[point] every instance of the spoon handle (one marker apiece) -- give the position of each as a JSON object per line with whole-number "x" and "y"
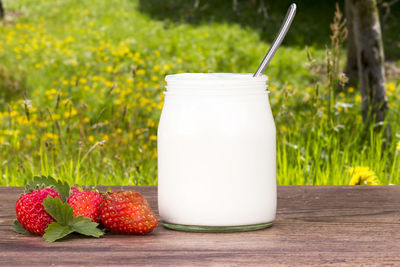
{"x": 278, "y": 39}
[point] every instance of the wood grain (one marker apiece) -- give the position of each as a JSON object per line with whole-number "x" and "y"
{"x": 316, "y": 225}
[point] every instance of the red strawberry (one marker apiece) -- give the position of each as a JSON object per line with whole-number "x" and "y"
{"x": 86, "y": 203}
{"x": 127, "y": 213}
{"x": 74, "y": 189}
{"x": 31, "y": 213}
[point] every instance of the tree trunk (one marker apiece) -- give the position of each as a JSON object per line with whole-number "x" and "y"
{"x": 2, "y": 13}
{"x": 370, "y": 60}
{"x": 351, "y": 64}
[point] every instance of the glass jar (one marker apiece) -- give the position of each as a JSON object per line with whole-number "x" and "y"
{"x": 216, "y": 153}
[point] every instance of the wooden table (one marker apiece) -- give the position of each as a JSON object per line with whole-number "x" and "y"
{"x": 315, "y": 225}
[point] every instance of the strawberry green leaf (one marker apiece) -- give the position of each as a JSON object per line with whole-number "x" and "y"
{"x": 46, "y": 181}
{"x": 18, "y": 228}
{"x": 61, "y": 212}
{"x": 56, "y": 231}
{"x": 85, "y": 226}
{"x": 65, "y": 222}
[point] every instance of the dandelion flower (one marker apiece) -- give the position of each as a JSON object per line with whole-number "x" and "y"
{"x": 391, "y": 87}
{"x": 362, "y": 175}
{"x": 398, "y": 146}
{"x": 140, "y": 72}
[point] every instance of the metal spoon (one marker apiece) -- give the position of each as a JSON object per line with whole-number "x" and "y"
{"x": 278, "y": 39}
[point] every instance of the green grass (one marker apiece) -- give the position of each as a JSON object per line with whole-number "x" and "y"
{"x": 87, "y": 119}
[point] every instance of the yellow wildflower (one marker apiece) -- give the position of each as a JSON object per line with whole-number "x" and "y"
{"x": 50, "y": 136}
{"x": 398, "y": 146}
{"x": 362, "y": 175}
{"x": 108, "y": 83}
{"x": 166, "y": 67}
{"x": 82, "y": 80}
{"x": 351, "y": 89}
{"x": 140, "y": 72}
{"x": 51, "y": 91}
{"x": 391, "y": 87}
{"x": 55, "y": 117}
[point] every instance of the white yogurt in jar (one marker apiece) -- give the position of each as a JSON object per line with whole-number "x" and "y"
{"x": 216, "y": 151}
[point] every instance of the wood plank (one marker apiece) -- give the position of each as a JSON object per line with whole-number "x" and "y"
{"x": 316, "y": 225}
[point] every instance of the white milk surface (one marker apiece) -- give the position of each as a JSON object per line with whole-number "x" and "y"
{"x": 216, "y": 151}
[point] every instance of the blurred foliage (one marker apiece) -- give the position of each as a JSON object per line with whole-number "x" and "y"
{"x": 310, "y": 27}
{"x": 12, "y": 84}
{"x": 93, "y": 72}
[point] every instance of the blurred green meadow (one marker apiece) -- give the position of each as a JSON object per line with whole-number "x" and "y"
{"x": 81, "y": 91}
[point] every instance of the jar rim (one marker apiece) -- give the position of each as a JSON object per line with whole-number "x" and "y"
{"x": 215, "y": 83}
{"x": 215, "y": 77}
